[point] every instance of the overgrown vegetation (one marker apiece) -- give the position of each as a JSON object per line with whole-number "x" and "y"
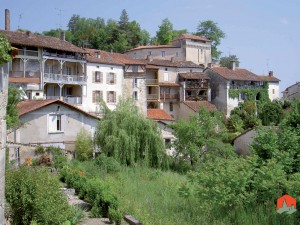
{"x": 12, "y": 114}
{"x": 83, "y": 146}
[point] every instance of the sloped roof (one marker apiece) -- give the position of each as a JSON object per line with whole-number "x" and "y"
{"x": 192, "y": 37}
{"x": 111, "y": 58}
{"x": 42, "y": 41}
{"x": 169, "y": 63}
{"x": 196, "y": 105}
{"x": 159, "y": 114}
{"x": 237, "y": 74}
{"x": 194, "y": 76}
{"x": 269, "y": 78}
{"x": 32, "y": 105}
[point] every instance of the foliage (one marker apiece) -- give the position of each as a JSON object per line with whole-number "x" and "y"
{"x": 33, "y": 194}
{"x": 235, "y": 123}
{"x": 5, "y": 50}
{"x": 83, "y": 146}
{"x": 57, "y": 32}
{"x": 225, "y": 61}
{"x": 210, "y": 30}
{"x": 251, "y": 93}
{"x": 12, "y": 115}
{"x": 271, "y": 113}
{"x": 107, "y": 164}
{"x": 193, "y": 135}
{"x": 39, "y": 149}
{"x": 164, "y": 34}
{"x": 127, "y": 136}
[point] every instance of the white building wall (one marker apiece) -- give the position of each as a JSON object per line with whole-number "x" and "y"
{"x": 156, "y": 53}
{"x": 274, "y": 90}
{"x": 88, "y": 103}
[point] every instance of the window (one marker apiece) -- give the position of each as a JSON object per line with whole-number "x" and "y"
{"x": 135, "y": 68}
{"x": 111, "y": 97}
{"x": 135, "y": 95}
{"x": 171, "y": 107}
{"x": 135, "y": 82}
{"x": 163, "y": 53}
{"x": 166, "y": 76}
{"x": 37, "y": 94}
{"x": 97, "y": 77}
{"x": 111, "y": 78}
{"x": 166, "y": 69}
{"x": 149, "y": 53}
{"x": 97, "y": 96}
{"x": 176, "y": 54}
{"x": 273, "y": 91}
{"x": 55, "y": 123}
{"x": 191, "y": 70}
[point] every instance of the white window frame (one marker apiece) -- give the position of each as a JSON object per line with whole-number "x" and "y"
{"x": 166, "y": 76}
{"x": 55, "y": 127}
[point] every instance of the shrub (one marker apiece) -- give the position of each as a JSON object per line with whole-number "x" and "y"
{"x": 83, "y": 146}
{"x": 108, "y": 164}
{"x": 39, "y": 150}
{"x": 33, "y": 195}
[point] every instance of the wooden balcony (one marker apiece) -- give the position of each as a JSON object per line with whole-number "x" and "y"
{"x": 195, "y": 98}
{"x": 30, "y": 53}
{"x": 152, "y": 97}
{"x": 70, "y": 99}
{"x": 28, "y": 74}
{"x": 152, "y": 82}
{"x": 65, "y": 79}
{"x": 196, "y": 84}
{"x": 169, "y": 96}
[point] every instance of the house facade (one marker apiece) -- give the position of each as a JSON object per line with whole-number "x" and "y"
{"x": 185, "y": 47}
{"x": 52, "y": 123}
{"x": 292, "y": 92}
{"x": 274, "y": 91}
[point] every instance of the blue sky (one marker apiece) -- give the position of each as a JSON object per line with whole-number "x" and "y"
{"x": 264, "y": 34}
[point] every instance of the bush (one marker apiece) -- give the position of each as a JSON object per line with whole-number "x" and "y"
{"x": 33, "y": 195}
{"x": 83, "y": 146}
{"x": 39, "y": 150}
{"x": 108, "y": 164}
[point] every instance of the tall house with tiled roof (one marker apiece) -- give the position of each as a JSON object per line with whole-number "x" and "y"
{"x": 273, "y": 81}
{"x": 47, "y": 67}
{"x": 223, "y": 79}
{"x": 185, "y": 47}
{"x": 111, "y": 76}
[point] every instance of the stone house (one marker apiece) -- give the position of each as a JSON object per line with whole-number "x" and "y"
{"x": 186, "y": 47}
{"x": 52, "y": 123}
{"x": 111, "y": 76}
{"x": 273, "y": 85}
{"x": 191, "y": 108}
{"x": 292, "y": 92}
{"x": 223, "y": 79}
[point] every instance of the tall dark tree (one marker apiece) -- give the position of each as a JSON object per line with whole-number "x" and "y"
{"x": 124, "y": 20}
{"x": 72, "y": 23}
{"x": 210, "y": 30}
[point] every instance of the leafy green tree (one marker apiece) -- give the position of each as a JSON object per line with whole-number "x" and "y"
{"x": 5, "y": 50}
{"x": 129, "y": 137}
{"x": 271, "y": 113}
{"x": 225, "y": 60}
{"x": 83, "y": 146}
{"x": 164, "y": 34}
{"x": 12, "y": 115}
{"x": 210, "y": 30}
{"x": 57, "y": 33}
{"x": 72, "y": 23}
{"x": 177, "y": 33}
{"x": 124, "y": 20}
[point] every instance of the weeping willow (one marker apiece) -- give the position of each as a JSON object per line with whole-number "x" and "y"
{"x": 129, "y": 137}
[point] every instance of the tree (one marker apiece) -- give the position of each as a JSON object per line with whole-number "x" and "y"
{"x": 210, "y": 30}
{"x": 5, "y": 50}
{"x": 165, "y": 32}
{"x": 129, "y": 137}
{"x": 271, "y": 113}
{"x": 72, "y": 23}
{"x": 12, "y": 115}
{"x": 83, "y": 146}
{"x": 225, "y": 61}
{"x": 57, "y": 33}
{"x": 124, "y": 20}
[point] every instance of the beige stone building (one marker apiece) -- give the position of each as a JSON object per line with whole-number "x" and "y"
{"x": 185, "y": 47}
{"x": 292, "y": 92}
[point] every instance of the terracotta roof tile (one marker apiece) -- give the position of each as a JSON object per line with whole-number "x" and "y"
{"x": 23, "y": 80}
{"x": 195, "y": 105}
{"x": 269, "y": 78}
{"x": 159, "y": 114}
{"x": 237, "y": 74}
{"x": 32, "y": 105}
{"x": 191, "y": 36}
{"x": 111, "y": 58}
{"x": 36, "y": 40}
{"x": 194, "y": 76}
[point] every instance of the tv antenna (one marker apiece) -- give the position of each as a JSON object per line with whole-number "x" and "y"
{"x": 20, "y": 17}
{"x": 59, "y": 13}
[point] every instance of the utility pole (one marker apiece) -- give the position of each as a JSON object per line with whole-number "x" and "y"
{"x": 4, "y": 68}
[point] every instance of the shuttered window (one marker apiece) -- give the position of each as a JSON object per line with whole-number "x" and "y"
{"x": 111, "y": 78}
{"x": 111, "y": 97}
{"x": 97, "y": 77}
{"x": 97, "y": 96}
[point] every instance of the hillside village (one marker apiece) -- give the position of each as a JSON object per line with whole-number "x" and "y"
{"x": 167, "y": 157}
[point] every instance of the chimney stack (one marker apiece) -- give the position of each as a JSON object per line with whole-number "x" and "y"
{"x": 7, "y": 19}
{"x": 232, "y": 64}
{"x": 270, "y": 73}
{"x": 62, "y": 36}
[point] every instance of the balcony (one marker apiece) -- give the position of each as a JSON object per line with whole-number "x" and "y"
{"x": 196, "y": 84}
{"x": 195, "y": 98}
{"x": 152, "y": 97}
{"x": 234, "y": 86}
{"x": 71, "y": 100}
{"x": 65, "y": 79}
{"x": 28, "y": 74}
{"x": 169, "y": 96}
{"x": 152, "y": 82}
{"x": 75, "y": 56}
{"x": 31, "y": 53}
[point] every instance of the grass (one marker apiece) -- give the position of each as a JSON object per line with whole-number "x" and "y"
{"x": 152, "y": 197}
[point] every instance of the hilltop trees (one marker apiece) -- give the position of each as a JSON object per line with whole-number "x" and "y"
{"x": 225, "y": 60}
